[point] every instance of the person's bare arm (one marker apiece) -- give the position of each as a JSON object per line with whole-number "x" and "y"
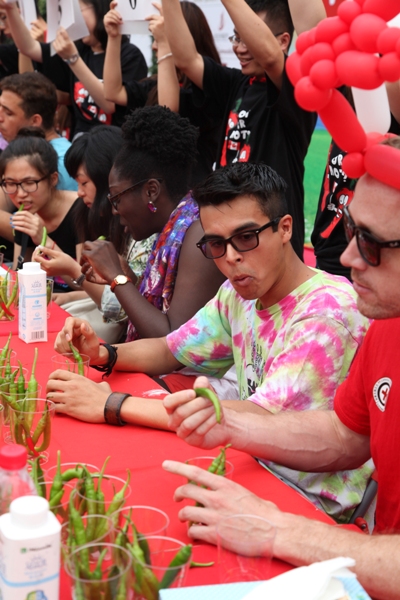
{"x": 259, "y": 39}
{"x": 21, "y": 34}
{"x": 37, "y": 32}
{"x": 186, "y": 57}
{"x": 114, "y": 90}
{"x": 306, "y": 15}
{"x": 66, "y": 48}
{"x": 298, "y": 540}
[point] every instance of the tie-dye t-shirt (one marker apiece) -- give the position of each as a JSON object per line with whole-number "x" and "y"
{"x": 290, "y": 356}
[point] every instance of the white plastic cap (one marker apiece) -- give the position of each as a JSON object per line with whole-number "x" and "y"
{"x": 32, "y": 267}
{"x": 29, "y": 512}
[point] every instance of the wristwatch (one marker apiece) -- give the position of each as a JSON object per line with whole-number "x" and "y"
{"x": 119, "y": 280}
{"x": 72, "y": 59}
{"x": 79, "y": 280}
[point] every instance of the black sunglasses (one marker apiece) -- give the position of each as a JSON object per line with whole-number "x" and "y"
{"x": 241, "y": 242}
{"x": 368, "y": 246}
{"x": 115, "y": 200}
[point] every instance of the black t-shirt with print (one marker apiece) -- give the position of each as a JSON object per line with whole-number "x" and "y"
{"x": 261, "y": 124}
{"x": 85, "y": 111}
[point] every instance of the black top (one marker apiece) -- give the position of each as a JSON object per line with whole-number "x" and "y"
{"x": 209, "y": 127}
{"x": 86, "y": 113}
{"x": 8, "y": 60}
{"x": 262, "y": 124}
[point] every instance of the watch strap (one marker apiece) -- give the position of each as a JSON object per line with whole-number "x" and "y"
{"x": 112, "y": 408}
{"x": 72, "y": 59}
{"x": 115, "y": 281}
{"x": 79, "y": 280}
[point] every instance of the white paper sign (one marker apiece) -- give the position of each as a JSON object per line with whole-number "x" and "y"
{"x": 67, "y": 14}
{"x": 133, "y": 13}
{"x": 28, "y": 12}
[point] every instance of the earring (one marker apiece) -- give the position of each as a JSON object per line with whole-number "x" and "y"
{"x": 151, "y": 207}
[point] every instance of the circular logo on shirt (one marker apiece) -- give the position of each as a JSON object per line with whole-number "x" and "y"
{"x": 381, "y": 392}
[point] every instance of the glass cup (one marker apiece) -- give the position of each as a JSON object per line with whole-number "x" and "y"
{"x": 51, "y": 471}
{"x": 5, "y": 394}
{"x": 30, "y": 425}
{"x": 160, "y": 552}
{"x": 110, "y": 486}
{"x": 59, "y": 504}
{"x": 49, "y": 294}
{"x": 67, "y": 362}
{"x": 99, "y": 529}
{"x": 147, "y": 520}
{"x": 245, "y": 548}
{"x": 113, "y": 566}
{"x": 8, "y": 296}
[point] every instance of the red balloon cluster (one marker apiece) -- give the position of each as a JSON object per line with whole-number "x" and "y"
{"x": 343, "y": 50}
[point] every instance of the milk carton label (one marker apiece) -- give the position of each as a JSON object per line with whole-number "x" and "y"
{"x": 32, "y": 307}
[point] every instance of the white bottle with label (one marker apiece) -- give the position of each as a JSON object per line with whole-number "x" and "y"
{"x": 32, "y": 325}
{"x": 29, "y": 551}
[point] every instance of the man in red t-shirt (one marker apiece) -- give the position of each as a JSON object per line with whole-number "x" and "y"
{"x": 363, "y": 424}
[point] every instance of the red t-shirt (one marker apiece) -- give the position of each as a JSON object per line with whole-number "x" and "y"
{"x": 366, "y": 403}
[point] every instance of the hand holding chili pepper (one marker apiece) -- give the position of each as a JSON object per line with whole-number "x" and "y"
{"x": 82, "y": 336}
{"x": 29, "y": 223}
{"x": 55, "y": 262}
{"x": 100, "y": 261}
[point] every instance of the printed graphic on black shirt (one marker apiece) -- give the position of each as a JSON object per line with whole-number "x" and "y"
{"x": 87, "y": 106}
{"x": 236, "y": 146}
{"x": 337, "y": 193}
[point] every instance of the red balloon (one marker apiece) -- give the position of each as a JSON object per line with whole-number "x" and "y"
{"x": 310, "y": 97}
{"x": 293, "y": 69}
{"x": 343, "y": 43}
{"x": 321, "y": 51}
{"x": 329, "y": 29}
{"x": 389, "y": 67}
{"x": 383, "y": 163}
{"x": 387, "y": 40}
{"x": 323, "y": 74}
{"x": 353, "y": 165}
{"x": 386, "y": 10}
{"x": 306, "y": 61}
{"x": 342, "y": 123}
{"x": 305, "y": 40}
{"x": 364, "y": 32}
{"x": 359, "y": 69}
{"x": 348, "y": 11}
{"x": 374, "y": 137}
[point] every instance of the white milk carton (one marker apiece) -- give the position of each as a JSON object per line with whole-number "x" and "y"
{"x": 29, "y": 551}
{"x": 32, "y": 324}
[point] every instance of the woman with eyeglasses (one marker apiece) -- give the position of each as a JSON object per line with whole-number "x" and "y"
{"x": 149, "y": 184}
{"x": 28, "y": 172}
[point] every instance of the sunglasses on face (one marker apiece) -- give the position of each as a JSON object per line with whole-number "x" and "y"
{"x": 368, "y": 246}
{"x": 241, "y": 242}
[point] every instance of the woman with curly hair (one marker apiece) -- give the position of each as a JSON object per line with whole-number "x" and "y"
{"x": 148, "y": 185}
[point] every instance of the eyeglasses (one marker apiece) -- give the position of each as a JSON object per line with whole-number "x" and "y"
{"x": 235, "y": 40}
{"x": 115, "y": 200}
{"x": 28, "y": 186}
{"x": 368, "y": 246}
{"x": 241, "y": 242}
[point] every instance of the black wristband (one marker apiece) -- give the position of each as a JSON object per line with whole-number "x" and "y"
{"x": 112, "y": 359}
{"x": 112, "y": 408}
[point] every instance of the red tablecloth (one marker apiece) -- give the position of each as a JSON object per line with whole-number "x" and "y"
{"x": 142, "y": 450}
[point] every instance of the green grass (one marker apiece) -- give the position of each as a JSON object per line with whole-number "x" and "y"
{"x": 315, "y": 164}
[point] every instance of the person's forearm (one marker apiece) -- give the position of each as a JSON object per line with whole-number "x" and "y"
{"x": 151, "y": 356}
{"x": 305, "y": 441}
{"x": 145, "y": 412}
{"x": 301, "y": 541}
{"x": 306, "y": 15}
{"x": 93, "y": 85}
{"x": 25, "y": 64}
{"x": 114, "y": 91}
{"x": 167, "y": 82}
{"x": 22, "y": 36}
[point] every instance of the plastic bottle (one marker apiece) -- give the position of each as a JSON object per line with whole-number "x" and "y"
{"x": 29, "y": 551}
{"x": 15, "y": 480}
{"x": 32, "y": 321}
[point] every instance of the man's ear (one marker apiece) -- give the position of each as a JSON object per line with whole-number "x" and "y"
{"x": 36, "y": 121}
{"x": 284, "y": 41}
{"x": 285, "y": 227}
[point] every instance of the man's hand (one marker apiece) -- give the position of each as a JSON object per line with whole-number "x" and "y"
{"x": 219, "y": 497}
{"x": 83, "y": 337}
{"x": 77, "y": 396}
{"x": 194, "y": 419}
{"x": 112, "y": 21}
{"x": 100, "y": 262}
{"x": 63, "y": 44}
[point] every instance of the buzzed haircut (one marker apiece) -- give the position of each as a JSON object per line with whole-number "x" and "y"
{"x": 278, "y": 14}
{"x": 38, "y": 95}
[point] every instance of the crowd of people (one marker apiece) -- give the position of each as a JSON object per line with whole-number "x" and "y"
{"x": 174, "y": 212}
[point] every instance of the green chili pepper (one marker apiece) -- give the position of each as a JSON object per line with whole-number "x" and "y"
{"x": 3, "y": 289}
{"x": 76, "y": 523}
{"x": 4, "y": 352}
{"x": 101, "y": 526}
{"x": 102, "y": 237}
{"x": 20, "y": 381}
{"x": 90, "y": 497}
{"x": 78, "y": 359}
{"x": 44, "y": 237}
{"x": 199, "y": 564}
{"x": 58, "y": 483}
{"x": 118, "y": 499}
{"x": 46, "y": 432}
{"x": 56, "y": 500}
{"x": 181, "y": 558}
{"x": 41, "y": 424}
{"x": 37, "y": 479}
{"x": 146, "y": 583}
{"x": 209, "y": 394}
{"x": 32, "y": 391}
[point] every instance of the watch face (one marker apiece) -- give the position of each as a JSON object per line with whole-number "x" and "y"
{"x": 121, "y": 279}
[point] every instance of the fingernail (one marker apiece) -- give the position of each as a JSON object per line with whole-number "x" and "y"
{"x": 67, "y": 337}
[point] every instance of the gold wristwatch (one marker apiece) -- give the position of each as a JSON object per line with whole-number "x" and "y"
{"x": 119, "y": 280}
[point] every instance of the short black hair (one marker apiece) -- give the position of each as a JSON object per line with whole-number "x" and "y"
{"x": 37, "y": 151}
{"x": 245, "y": 179}
{"x": 38, "y": 95}
{"x": 158, "y": 143}
{"x": 278, "y": 14}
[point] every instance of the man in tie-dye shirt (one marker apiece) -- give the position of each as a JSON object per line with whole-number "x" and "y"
{"x": 291, "y": 332}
